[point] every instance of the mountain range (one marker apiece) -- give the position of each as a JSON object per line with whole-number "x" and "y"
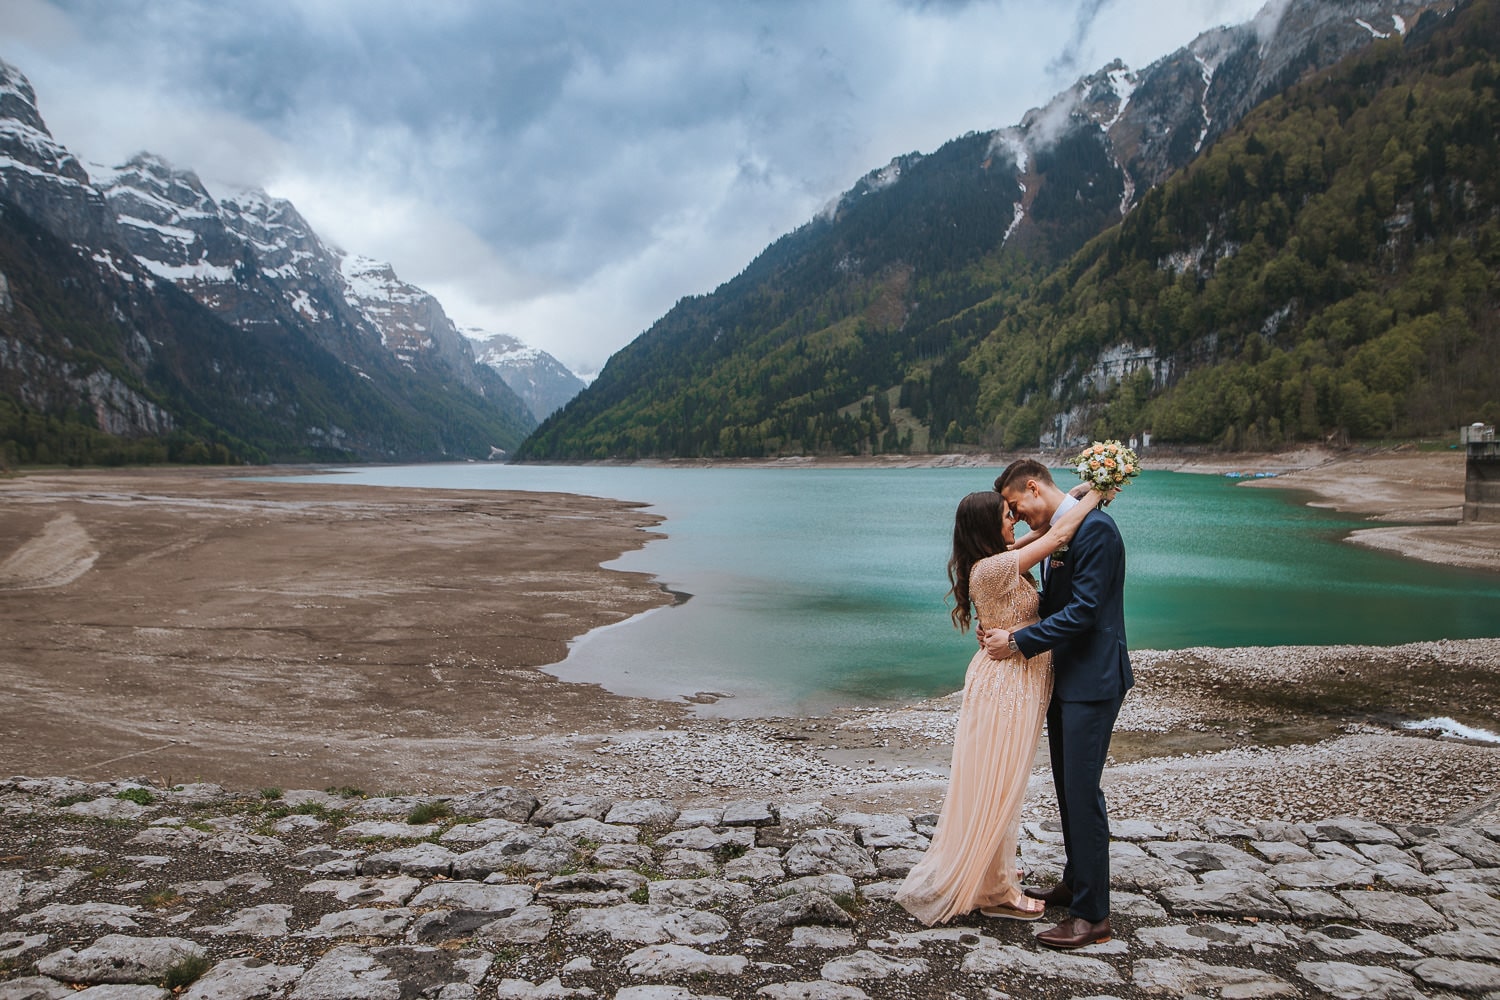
{"x": 143, "y": 318}
{"x": 1287, "y": 230}
{"x": 1010, "y": 289}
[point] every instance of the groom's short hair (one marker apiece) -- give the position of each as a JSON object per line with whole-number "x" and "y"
{"x": 1021, "y": 470}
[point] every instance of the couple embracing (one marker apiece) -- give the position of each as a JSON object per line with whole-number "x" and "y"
{"x": 1059, "y": 655}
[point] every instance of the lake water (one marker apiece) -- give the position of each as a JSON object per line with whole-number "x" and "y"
{"x": 817, "y": 588}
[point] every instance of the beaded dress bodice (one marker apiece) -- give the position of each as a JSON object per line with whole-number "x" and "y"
{"x": 1002, "y": 597}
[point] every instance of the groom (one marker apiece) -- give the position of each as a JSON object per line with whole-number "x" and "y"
{"x": 1083, "y": 624}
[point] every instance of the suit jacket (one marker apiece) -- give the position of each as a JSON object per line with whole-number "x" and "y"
{"x": 1083, "y": 616}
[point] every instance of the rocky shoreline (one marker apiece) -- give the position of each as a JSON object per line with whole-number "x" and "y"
{"x": 142, "y": 892}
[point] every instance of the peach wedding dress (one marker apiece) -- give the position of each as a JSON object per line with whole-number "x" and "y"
{"x": 971, "y": 860}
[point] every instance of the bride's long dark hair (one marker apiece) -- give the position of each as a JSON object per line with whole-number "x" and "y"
{"x": 976, "y": 535}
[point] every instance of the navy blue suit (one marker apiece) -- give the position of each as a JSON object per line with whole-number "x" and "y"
{"x": 1083, "y": 623}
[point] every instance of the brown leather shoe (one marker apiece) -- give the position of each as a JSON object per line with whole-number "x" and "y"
{"x": 1058, "y": 895}
{"x": 1075, "y": 932}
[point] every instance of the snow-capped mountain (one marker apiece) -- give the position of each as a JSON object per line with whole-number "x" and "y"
{"x": 380, "y": 369}
{"x": 39, "y": 172}
{"x": 544, "y": 383}
{"x": 1123, "y": 131}
{"x": 247, "y": 253}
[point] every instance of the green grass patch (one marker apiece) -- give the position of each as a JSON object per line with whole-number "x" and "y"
{"x": 428, "y": 812}
{"x": 185, "y": 972}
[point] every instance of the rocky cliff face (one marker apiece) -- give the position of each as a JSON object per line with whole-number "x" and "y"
{"x": 37, "y": 172}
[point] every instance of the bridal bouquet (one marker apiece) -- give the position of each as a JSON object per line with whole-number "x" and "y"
{"x": 1107, "y": 465}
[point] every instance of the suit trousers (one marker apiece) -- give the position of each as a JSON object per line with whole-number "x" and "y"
{"x": 1078, "y": 735}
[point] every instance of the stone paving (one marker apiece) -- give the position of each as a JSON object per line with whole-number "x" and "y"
{"x": 134, "y": 892}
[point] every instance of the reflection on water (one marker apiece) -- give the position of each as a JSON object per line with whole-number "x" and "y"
{"x": 815, "y": 588}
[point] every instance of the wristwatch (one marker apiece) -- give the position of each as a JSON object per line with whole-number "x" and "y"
{"x": 1013, "y": 647}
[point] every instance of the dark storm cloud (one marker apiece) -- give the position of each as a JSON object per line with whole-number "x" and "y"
{"x": 564, "y": 170}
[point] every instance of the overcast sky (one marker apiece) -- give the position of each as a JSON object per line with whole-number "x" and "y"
{"x": 561, "y": 171}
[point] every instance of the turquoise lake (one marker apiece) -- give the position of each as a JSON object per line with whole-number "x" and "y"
{"x": 817, "y": 588}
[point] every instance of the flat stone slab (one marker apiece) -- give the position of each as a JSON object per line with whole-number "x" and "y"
{"x": 423, "y": 860}
{"x": 1205, "y": 856}
{"x": 482, "y": 832}
{"x": 118, "y": 958}
{"x": 702, "y": 838}
{"x": 673, "y": 961}
{"x": 1348, "y": 981}
{"x": 1453, "y": 974}
{"x": 1392, "y": 908}
{"x": 645, "y": 812}
{"x": 502, "y": 802}
{"x": 1201, "y": 937}
{"x": 363, "y": 922}
{"x": 1313, "y": 904}
{"x": 243, "y": 979}
{"x": 378, "y": 829}
{"x": 699, "y": 893}
{"x": 395, "y": 890}
{"x": 820, "y": 851}
{"x": 527, "y": 925}
{"x": 121, "y": 918}
{"x": 470, "y": 895}
{"x": 1463, "y": 944}
{"x": 864, "y": 965}
{"x": 753, "y": 812}
{"x": 807, "y": 907}
{"x": 821, "y": 937}
{"x": 1356, "y": 831}
{"x": 1008, "y": 960}
{"x": 1475, "y": 909}
{"x": 570, "y": 807}
{"x": 647, "y": 924}
{"x": 1342, "y": 940}
{"x": 35, "y": 988}
{"x": 817, "y": 990}
{"x": 1325, "y": 873}
{"x": 269, "y": 920}
{"x": 587, "y": 828}
{"x": 1189, "y": 977}
{"x": 1238, "y": 893}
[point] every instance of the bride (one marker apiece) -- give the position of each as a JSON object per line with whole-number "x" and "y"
{"x": 970, "y": 862}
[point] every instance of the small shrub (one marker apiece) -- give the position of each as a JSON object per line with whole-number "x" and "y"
{"x": 139, "y": 796}
{"x": 72, "y": 800}
{"x": 729, "y": 852}
{"x": 641, "y": 895}
{"x": 346, "y": 792}
{"x": 185, "y": 972}
{"x": 427, "y": 812}
{"x": 270, "y": 793}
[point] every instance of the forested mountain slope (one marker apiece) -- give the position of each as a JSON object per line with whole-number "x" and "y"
{"x": 945, "y": 302}
{"x": 1327, "y": 269}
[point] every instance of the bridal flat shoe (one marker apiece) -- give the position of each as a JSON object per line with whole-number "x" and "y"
{"x": 1010, "y": 913}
